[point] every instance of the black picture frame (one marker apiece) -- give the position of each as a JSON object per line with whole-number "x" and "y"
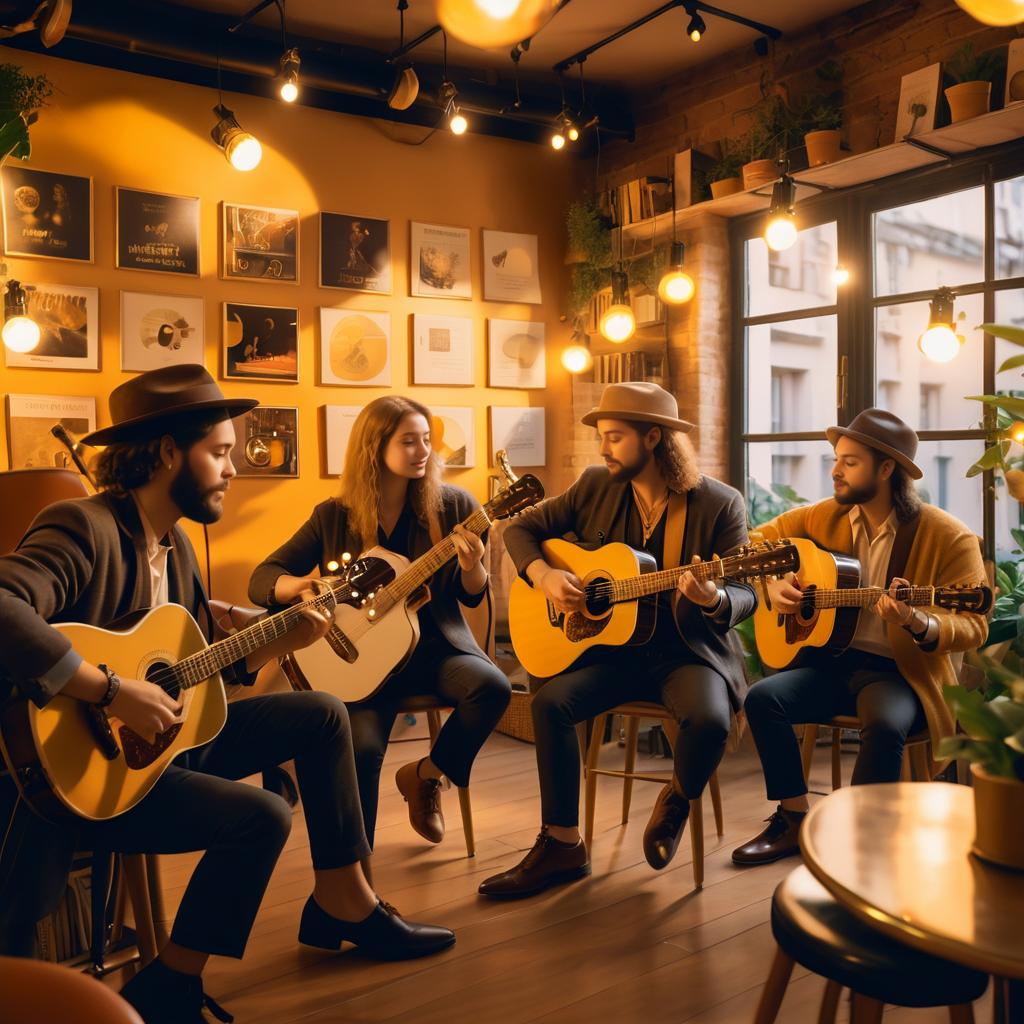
{"x": 157, "y": 232}
{"x": 259, "y": 243}
{"x": 46, "y": 215}
{"x": 355, "y": 253}
{"x": 267, "y": 442}
{"x": 260, "y": 342}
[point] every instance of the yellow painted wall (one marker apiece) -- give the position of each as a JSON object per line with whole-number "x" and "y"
{"x": 126, "y": 129}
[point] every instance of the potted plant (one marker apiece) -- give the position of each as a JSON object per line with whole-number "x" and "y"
{"x": 774, "y": 133}
{"x": 820, "y": 117}
{"x": 973, "y": 75}
{"x": 21, "y": 96}
{"x": 725, "y": 177}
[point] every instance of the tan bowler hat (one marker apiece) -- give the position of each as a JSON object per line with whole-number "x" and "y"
{"x": 886, "y": 433}
{"x": 638, "y": 402}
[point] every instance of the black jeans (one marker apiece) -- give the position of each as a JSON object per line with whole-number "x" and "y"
{"x": 854, "y": 683}
{"x": 241, "y": 827}
{"x": 695, "y": 694}
{"x": 475, "y": 687}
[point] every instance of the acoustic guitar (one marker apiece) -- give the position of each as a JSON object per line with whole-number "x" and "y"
{"x": 72, "y": 757}
{"x": 832, "y": 601}
{"x": 619, "y": 584}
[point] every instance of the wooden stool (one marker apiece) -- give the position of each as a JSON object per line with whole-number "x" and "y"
{"x": 433, "y": 707}
{"x": 915, "y": 754}
{"x": 813, "y": 930}
{"x": 632, "y": 713}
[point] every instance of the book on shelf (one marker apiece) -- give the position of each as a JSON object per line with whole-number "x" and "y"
{"x": 637, "y": 200}
{"x": 647, "y": 308}
{"x": 615, "y": 367}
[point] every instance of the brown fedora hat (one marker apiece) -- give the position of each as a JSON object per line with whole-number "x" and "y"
{"x": 886, "y": 433}
{"x": 638, "y": 402}
{"x": 146, "y": 406}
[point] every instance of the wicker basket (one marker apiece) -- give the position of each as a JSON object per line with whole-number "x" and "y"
{"x": 517, "y": 721}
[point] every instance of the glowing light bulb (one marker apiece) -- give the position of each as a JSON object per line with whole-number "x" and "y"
{"x": 332, "y": 566}
{"x": 695, "y": 35}
{"x": 676, "y": 287}
{"x": 498, "y": 8}
{"x": 21, "y": 334}
{"x": 289, "y": 92}
{"x": 458, "y": 124}
{"x": 557, "y": 140}
{"x": 577, "y": 358}
{"x": 994, "y": 12}
{"x": 574, "y": 133}
{"x": 618, "y": 323}
{"x": 1016, "y": 432}
{"x": 244, "y": 151}
{"x": 940, "y": 343}
{"x": 781, "y": 232}
{"x": 840, "y": 276}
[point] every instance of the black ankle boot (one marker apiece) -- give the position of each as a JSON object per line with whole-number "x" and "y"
{"x": 164, "y": 996}
{"x": 384, "y": 935}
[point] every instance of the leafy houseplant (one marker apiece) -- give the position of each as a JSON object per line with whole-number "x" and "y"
{"x": 726, "y": 174}
{"x": 21, "y": 96}
{"x": 820, "y": 116}
{"x": 973, "y": 74}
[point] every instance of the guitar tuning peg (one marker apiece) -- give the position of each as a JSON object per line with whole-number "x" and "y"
{"x": 332, "y": 566}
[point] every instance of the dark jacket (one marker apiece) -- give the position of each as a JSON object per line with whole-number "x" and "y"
{"x": 593, "y": 512}
{"x": 324, "y": 537}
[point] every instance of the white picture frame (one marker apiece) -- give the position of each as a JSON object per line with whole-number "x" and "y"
{"x": 516, "y": 354}
{"x": 68, "y": 318}
{"x": 442, "y": 350}
{"x": 161, "y": 330}
{"x": 30, "y": 445}
{"x": 920, "y": 87}
{"x": 355, "y": 348}
{"x": 440, "y": 262}
{"x": 511, "y": 270}
{"x": 453, "y": 435}
{"x": 338, "y": 423}
{"x": 521, "y": 432}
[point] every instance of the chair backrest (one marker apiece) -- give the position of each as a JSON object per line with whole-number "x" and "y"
{"x": 36, "y": 992}
{"x": 24, "y": 493}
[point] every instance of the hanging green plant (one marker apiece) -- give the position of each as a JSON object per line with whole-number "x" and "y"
{"x": 21, "y": 97}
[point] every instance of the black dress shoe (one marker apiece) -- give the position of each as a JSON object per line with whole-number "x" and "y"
{"x": 780, "y": 838}
{"x": 665, "y": 828}
{"x": 549, "y": 862}
{"x": 161, "y": 995}
{"x": 384, "y": 935}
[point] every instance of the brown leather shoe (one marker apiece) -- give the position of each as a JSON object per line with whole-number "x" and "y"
{"x": 665, "y": 828}
{"x": 424, "y": 799}
{"x": 781, "y": 838}
{"x": 548, "y": 863}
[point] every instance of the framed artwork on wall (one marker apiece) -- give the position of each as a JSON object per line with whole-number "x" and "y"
{"x": 157, "y": 232}
{"x": 355, "y": 348}
{"x": 261, "y": 342}
{"x": 515, "y": 354}
{"x": 267, "y": 442}
{"x": 260, "y": 243}
{"x": 47, "y": 215}
{"x": 355, "y": 253}
{"x": 160, "y": 330}
{"x": 520, "y": 432}
{"x": 452, "y": 436}
{"x": 69, "y": 337}
{"x": 919, "y": 96}
{"x": 510, "y": 267}
{"x": 30, "y": 445}
{"x": 338, "y": 421}
{"x": 439, "y": 262}
{"x": 1014, "y": 91}
{"x": 442, "y": 351}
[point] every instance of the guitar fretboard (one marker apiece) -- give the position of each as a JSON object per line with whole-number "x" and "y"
{"x": 635, "y": 587}
{"x": 865, "y": 597}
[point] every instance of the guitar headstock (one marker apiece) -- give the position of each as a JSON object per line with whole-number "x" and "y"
{"x": 366, "y": 576}
{"x": 519, "y": 495}
{"x": 767, "y": 558}
{"x": 964, "y": 598}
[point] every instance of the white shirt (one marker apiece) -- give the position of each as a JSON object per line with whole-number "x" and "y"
{"x": 873, "y": 554}
{"x": 157, "y": 552}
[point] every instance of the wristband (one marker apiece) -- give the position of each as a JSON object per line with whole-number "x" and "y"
{"x": 113, "y": 685}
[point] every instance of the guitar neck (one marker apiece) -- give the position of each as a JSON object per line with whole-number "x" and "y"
{"x": 865, "y": 597}
{"x": 635, "y": 587}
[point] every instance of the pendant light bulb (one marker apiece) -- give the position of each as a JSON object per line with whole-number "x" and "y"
{"x": 289, "y": 75}
{"x": 20, "y": 332}
{"x": 486, "y": 24}
{"x": 696, "y": 29}
{"x": 457, "y": 122}
{"x": 618, "y": 322}
{"x": 780, "y": 232}
{"x": 577, "y": 358}
{"x": 940, "y": 343}
{"x": 557, "y": 139}
{"x": 241, "y": 148}
{"x": 676, "y": 286}
{"x": 573, "y": 133}
{"x": 994, "y": 12}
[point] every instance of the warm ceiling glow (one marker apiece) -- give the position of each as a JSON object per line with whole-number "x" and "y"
{"x": 486, "y": 24}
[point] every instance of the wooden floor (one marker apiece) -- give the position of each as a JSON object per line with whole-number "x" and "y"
{"x": 626, "y": 945}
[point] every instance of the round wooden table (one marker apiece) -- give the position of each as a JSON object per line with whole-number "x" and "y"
{"x": 898, "y": 856}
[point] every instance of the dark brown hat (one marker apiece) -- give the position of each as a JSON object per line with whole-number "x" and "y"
{"x": 884, "y": 432}
{"x": 146, "y": 406}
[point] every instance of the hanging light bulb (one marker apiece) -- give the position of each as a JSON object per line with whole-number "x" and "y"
{"x": 577, "y": 358}
{"x": 557, "y": 139}
{"x": 994, "y": 12}
{"x": 676, "y": 286}
{"x": 697, "y": 27}
{"x": 1015, "y": 432}
{"x": 456, "y": 121}
{"x": 780, "y": 231}
{"x": 20, "y": 331}
{"x": 573, "y": 132}
{"x": 490, "y": 23}
{"x": 840, "y": 276}
{"x": 940, "y": 343}
{"x": 618, "y": 323}
{"x": 242, "y": 148}
{"x": 289, "y": 74}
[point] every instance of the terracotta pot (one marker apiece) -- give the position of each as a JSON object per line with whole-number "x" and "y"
{"x": 822, "y": 147}
{"x": 726, "y": 187}
{"x": 1015, "y": 483}
{"x": 759, "y": 172}
{"x": 968, "y": 99}
{"x": 998, "y": 812}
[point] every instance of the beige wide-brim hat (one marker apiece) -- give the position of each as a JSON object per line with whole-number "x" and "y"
{"x": 886, "y": 433}
{"x": 638, "y": 402}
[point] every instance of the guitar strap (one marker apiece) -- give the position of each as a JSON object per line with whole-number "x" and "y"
{"x": 675, "y": 534}
{"x": 901, "y": 545}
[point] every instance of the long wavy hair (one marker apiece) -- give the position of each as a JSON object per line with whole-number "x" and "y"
{"x": 905, "y": 497}
{"x": 364, "y": 465}
{"x": 675, "y": 457}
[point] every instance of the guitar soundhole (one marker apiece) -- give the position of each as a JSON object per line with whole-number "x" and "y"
{"x": 598, "y": 596}
{"x": 138, "y": 752}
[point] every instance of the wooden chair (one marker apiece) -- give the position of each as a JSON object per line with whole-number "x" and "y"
{"x": 632, "y": 713}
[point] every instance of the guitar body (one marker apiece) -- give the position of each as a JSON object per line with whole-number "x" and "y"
{"x": 362, "y": 651}
{"x": 780, "y": 638}
{"x": 54, "y": 752}
{"x": 546, "y": 642}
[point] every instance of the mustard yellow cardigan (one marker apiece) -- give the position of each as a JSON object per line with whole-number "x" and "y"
{"x": 944, "y": 553}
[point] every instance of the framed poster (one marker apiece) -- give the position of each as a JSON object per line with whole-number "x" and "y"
{"x": 355, "y": 348}
{"x": 157, "y": 232}
{"x": 520, "y": 432}
{"x": 439, "y": 262}
{"x": 1014, "y": 92}
{"x": 69, "y": 336}
{"x": 452, "y": 436}
{"x": 261, "y": 342}
{"x": 442, "y": 350}
{"x": 515, "y": 354}
{"x": 267, "y": 442}
{"x": 260, "y": 243}
{"x": 47, "y": 215}
{"x": 919, "y": 96}
{"x": 30, "y": 445}
{"x": 159, "y": 330}
{"x": 338, "y": 423}
{"x": 510, "y": 267}
{"x": 355, "y": 253}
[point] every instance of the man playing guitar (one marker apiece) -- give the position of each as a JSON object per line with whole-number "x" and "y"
{"x": 892, "y": 675}
{"x": 648, "y": 484}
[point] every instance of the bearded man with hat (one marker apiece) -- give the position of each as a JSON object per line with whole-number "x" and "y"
{"x": 891, "y": 677}
{"x": 95, "y": 560}
{"x": 650, "y": 495}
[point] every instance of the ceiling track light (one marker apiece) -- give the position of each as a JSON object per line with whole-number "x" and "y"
{"x": 940, "y": 343}
{"x": 289, "y": 75}
{"x": 780, "y": 231}
{"x": 241, "y": 148}
{"x": 456, "y": 120}
{"x": 20, "y": 332}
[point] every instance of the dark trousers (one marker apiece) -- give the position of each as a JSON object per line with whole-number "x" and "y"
{"x": 243, "y": 828}
{"x": 854, "y": 683}
{"x": 695, "y": 694}
{"x": 475, "y": 687}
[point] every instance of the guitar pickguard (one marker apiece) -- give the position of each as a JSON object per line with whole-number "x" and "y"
{"x": 578, "y": 627}
{"x": 138, "y": 753}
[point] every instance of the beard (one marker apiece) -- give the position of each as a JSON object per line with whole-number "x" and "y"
{"x": 626, "y": 472}
{"x": 857, "y": 495}
{"x": 195, "y": 503}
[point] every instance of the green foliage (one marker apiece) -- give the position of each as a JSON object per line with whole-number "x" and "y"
{"x": 764, "y": 504}
{"x": 729, "y": 166}
{"x": 1006, "y": 623}
{"x": 21, "y": 96}
{"x": 751, "y": 656}
{"x": 967, "y": 66}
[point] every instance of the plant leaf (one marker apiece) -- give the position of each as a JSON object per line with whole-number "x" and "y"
{"x": 1014, "y": 335}
{"x": 1014, "y": 406}
{"x": 992, "y": 457}
{"x": 1012, "y": 363}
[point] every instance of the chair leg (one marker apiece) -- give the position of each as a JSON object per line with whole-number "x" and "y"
{"x": 837, "y": 765}
{"x": 774, "y": 989}
{"x": 865, "y": 1010}
{"x": 830, "y": 1002}
{"x": 962, "y": 1014}
{"x": 433, "y": 725}
{"x": 593, "y": 754}
{"x": 581, "y": 735}
{"x": 919, "y": 770}
{"x": 716, "y": 804}
{"x": 156, "y": 899}
{"x": 142, "y": 912}
{"x": 467, "y": 820}
{"x": 810, "y": 737}
{"x": 632, "y": 737}
{"x": 697, "y": 840}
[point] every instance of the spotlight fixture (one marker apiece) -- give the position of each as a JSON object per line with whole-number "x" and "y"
{"x": 676, "y": 286}
{"x": 697, "y": 27}
{"x": 940, "y": 343}
{"x": 20, "y": 331}
{"x": 780, "y": 231}
{"x": 489, "y": 23}
{"x": 241, "y": 148}
{"x": 573, "y": 132}
{"x": 404, "y": 89}
{"x": 994, "y": 12}
{"x": 840, "y": 276}
{"x": 289, "y": 75}
{"x": 618, "y": 322}
{"x": 456, "y": 120}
